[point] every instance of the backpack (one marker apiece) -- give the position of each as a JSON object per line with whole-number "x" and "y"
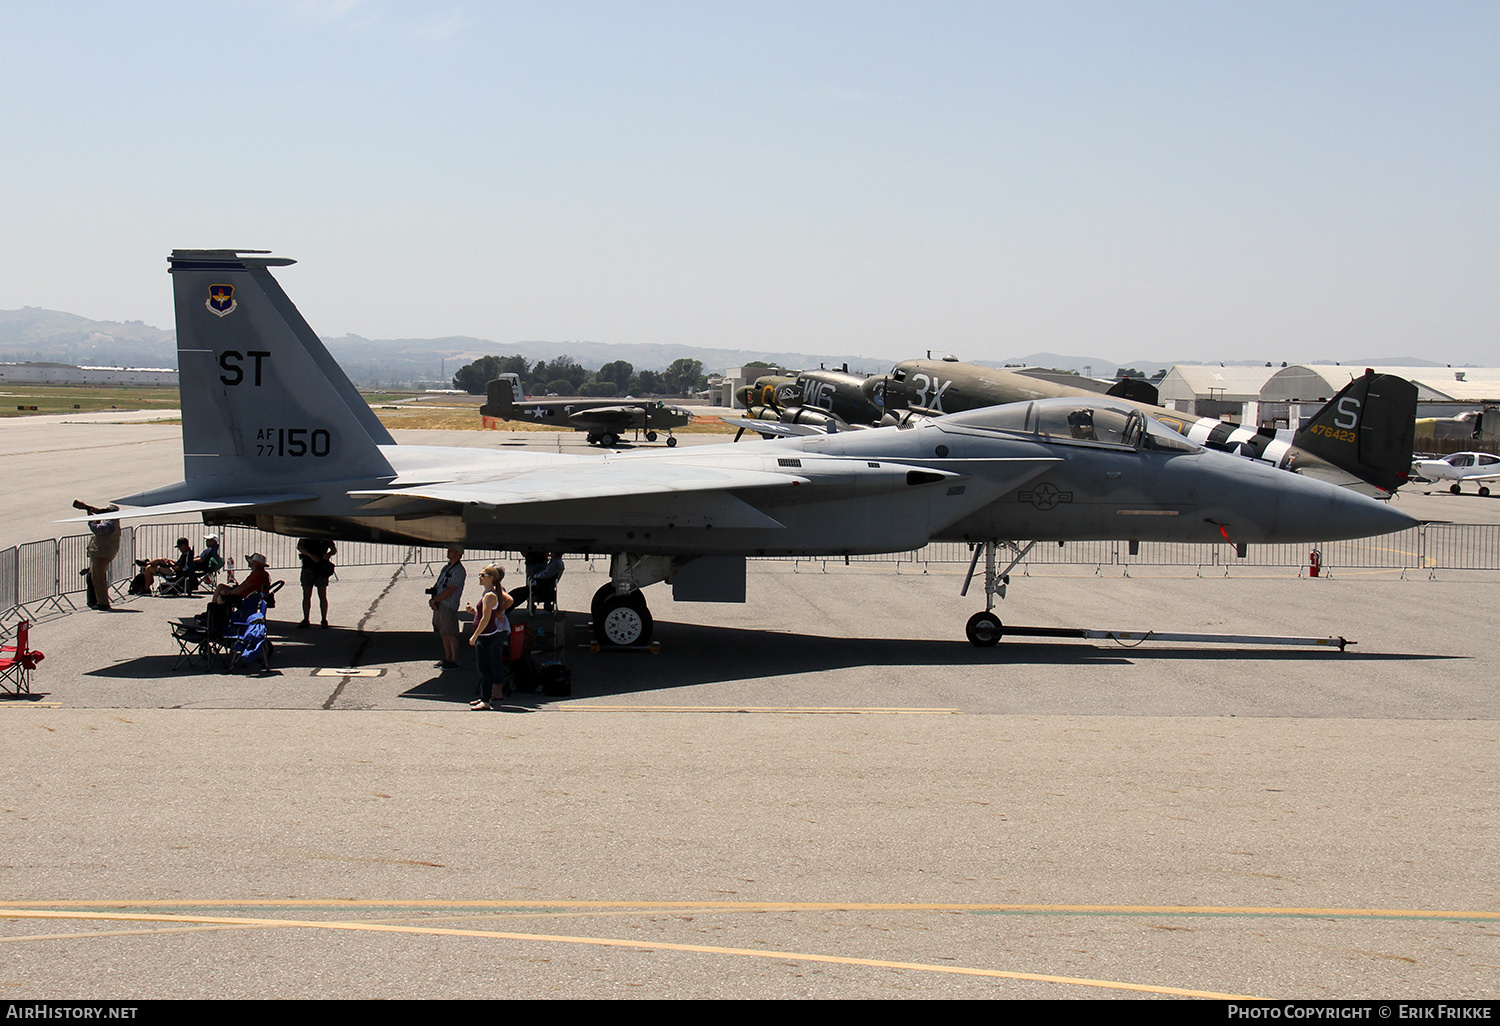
{"x": 555, "y": 680}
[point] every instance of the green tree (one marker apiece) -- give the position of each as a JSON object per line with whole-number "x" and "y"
{"x": 684, "y": 377}
{"x": 474, "y": 377}
{"x": 617, "y": 372}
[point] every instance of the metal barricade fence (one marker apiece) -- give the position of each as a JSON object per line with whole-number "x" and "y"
{"x": 72, "y": 556}
{"x": 8, "y": 577}
{"x": 1427, "y": 546}
{"x": 36, "y": 571}
{"x": 47, "y": 571}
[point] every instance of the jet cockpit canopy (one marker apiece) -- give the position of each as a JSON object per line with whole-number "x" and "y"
{"x": 1078, "y": 420}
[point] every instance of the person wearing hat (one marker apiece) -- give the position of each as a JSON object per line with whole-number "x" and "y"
{"x": 209, "y": 559}
{"x": 103, "y": 547}
{"x": 256, "y": 580}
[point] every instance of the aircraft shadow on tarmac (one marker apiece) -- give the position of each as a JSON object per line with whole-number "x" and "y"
{"x": 693, "y": 654}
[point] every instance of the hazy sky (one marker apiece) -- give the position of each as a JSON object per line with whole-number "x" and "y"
{"x": 1200, "y": 180}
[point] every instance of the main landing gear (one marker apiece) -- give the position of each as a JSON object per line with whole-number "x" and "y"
{"x": 984, "y": 629}
{"x": 621, "y": 619}
{"x": 610, "y": 439}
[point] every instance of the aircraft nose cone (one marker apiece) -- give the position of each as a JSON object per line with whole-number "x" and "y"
{"x": 1372, "y": 516}
{"x": 1335, "y": 513}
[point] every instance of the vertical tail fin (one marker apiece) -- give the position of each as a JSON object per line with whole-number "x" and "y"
{"x": 499, "y": 400}
{"x": 264, "y": 404}
{"x": 1367, "y": 429}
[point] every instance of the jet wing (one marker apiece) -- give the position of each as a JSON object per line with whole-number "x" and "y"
{"x": 775, "y": 427}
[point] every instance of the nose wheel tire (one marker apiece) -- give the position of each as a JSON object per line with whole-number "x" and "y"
{"x": 671, "y": 442}
{"x": 984, "y": 629}
{"x": 609, "y": 439}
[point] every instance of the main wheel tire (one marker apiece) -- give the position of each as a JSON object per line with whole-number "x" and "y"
{"x": 1484, "y": 491}
{"x": 625, "y": 621}
{"x": 650, "y": 436}
{"x": 596, "y": 604}
{"x": 984, "y": 629}
{"x": 1455, "y": 489}
{"x": 609, "y": 439}
{"x": 671, "y": 442}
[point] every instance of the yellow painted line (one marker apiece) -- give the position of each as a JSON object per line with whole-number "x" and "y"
{"x": 619, "y": 943}
{"x": 762, "y": 906}
{"x": 831, "y": 710}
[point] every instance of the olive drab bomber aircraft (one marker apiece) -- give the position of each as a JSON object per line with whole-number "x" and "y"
{"x": 605, "y": 420}
{"x": 275, "y": 436}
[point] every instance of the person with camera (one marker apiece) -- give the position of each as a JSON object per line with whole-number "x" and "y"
{"x": 443, "y": 598}
{"x": 317, "y": 567}
{"x": 104, "y": 545}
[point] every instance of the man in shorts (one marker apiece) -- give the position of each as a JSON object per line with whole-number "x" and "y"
{"x": 443, "y": 599}
{"x": 317, "y": 567}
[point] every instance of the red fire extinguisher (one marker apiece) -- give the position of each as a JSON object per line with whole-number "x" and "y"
{"x": 1314, "y": 563}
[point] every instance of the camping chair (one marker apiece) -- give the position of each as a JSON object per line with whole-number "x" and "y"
{"x": 17, "y": 661}
{"x": 245, "y": 640}
{"x": 194, "y": 642}
{"x": 208, "y": 577}
{"x": 177, "y": 585}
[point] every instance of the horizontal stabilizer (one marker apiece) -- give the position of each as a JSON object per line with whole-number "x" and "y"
{"x": 168, "y": 509}
{"x": 588, "y": 480}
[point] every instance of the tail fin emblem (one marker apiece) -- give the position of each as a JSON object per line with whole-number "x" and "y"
{"x": 220, "y": 300}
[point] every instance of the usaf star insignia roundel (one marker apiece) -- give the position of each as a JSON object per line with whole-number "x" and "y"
{"x": 220, "y": 300}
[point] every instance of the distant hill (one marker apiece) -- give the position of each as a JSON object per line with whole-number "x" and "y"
{"x": 32, "y": 333}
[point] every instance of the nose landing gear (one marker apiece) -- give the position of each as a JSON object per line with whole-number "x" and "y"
{"x": 985, "y": 629}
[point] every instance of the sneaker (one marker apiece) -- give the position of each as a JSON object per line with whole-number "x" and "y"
{"x": 445, "y": 665}
{"x": 303, "y": 625}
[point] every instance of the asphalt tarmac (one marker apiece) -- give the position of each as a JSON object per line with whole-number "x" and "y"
{"x": 824, "y": 792}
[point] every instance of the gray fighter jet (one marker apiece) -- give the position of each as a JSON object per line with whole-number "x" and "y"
{"x": 276, "y": 436}
{"x": 1361, "y": 438}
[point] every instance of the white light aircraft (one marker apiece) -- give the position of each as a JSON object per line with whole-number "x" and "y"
{"x": 1477, "y": 467}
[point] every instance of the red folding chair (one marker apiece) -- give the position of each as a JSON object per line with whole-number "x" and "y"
{"x": 17, "y": 661}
